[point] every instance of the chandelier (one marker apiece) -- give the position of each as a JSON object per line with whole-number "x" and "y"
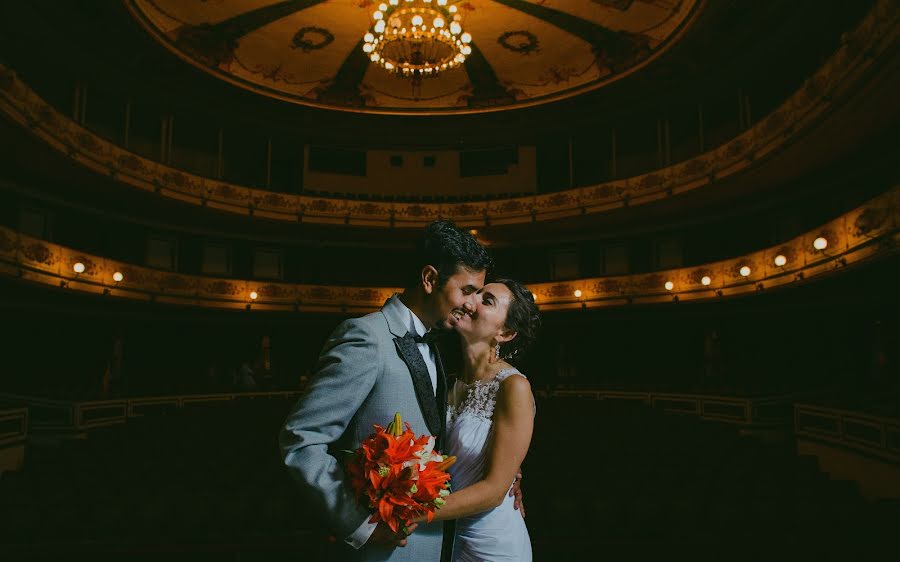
{"x": 417, "y": 38}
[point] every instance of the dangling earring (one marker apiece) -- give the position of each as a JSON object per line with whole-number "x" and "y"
{"x": 497, "y": 352}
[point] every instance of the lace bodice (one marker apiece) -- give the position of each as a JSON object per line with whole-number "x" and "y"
{"x": 480, "y": 397}
{"x": 499, "y": 533}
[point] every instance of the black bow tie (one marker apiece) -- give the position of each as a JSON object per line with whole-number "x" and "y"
{"x": 430, "y": 337}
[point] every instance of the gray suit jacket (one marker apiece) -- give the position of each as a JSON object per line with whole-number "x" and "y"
{"x": 367, "y": 371}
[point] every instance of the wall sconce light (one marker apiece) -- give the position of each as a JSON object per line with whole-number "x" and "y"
{"x": 706, "y": 280}
{"x": 669, "y": 285}
{"x": 820, "y": 243}
{"x": 780, "y": 260}
{"x": 78, "y": 267}
{"x": 745, "y": 271}
{"x": 117, "y": 276}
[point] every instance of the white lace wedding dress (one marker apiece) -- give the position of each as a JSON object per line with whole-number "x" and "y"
{"x": 498, "y": 534}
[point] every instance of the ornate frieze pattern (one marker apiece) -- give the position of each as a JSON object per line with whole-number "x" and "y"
{"x": 866, "y": 233}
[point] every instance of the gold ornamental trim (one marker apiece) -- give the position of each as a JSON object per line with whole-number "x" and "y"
{"x": 860, "y": 49}
{"x": 864, "y": 234}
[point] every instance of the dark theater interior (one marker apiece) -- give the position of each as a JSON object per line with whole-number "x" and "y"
{"x": 701, "y": 195}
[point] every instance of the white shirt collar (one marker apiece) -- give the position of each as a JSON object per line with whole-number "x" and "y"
{"x": 415, "y": 325}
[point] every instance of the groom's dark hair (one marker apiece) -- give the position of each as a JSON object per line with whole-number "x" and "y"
{"x": 448, "y": 248}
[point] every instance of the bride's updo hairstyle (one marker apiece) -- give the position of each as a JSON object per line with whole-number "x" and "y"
{"x": 523, "y": 317}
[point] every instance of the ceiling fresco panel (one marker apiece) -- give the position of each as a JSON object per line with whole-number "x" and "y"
{"x": 524, "y": 52}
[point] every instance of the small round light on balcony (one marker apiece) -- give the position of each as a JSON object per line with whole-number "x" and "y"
{"x": 577, "y": 293}
{"x": 706, "y": 280}
{"x": 117, "y": 276}
{"x": 820, "y": 243}
{"x": 745, "y": 271}
{"x": 669, "y": 285}
{"x": 78, "y": 267}
{"x": 253, "y": 295}
{"x": 780, "y": 260}
{"x": 534, "y": 297}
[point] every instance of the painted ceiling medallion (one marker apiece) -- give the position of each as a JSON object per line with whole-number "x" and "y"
{"x": 500, "y": 54}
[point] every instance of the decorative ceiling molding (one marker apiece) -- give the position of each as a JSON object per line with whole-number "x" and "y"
{"x": 859, "y": 53}
{"x": 587, "y": 45}
{"x": 866, "y": 233}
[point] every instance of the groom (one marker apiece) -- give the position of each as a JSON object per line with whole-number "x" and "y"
{"x": 372, "y": 367}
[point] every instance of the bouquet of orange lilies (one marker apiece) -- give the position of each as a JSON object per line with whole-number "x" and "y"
{"x": 399, "y": 476}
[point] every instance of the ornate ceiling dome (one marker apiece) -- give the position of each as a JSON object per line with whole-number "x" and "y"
{"x": 311, "y": 52}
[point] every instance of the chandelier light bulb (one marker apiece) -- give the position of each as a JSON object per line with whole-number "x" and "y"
{"x": 117, "y": 276}
{"x": 780, "y": 260}
{"x": 78, "y": 267}
{"x": 820, "y": 243}
{"x": 745, "y": 271}
{"x": 434, "y": 32}
{"x": 706, "y": 280}
{"x": 669, "y": 285}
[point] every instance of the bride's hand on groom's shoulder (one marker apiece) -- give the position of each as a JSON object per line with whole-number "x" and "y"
{"x": 384, "y": 536}
{"x": 516, "y": 491}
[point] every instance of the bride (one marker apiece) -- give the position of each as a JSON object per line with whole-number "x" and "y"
{"x": 490, "y": 419}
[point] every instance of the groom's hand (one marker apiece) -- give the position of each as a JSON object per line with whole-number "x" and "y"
{"x": 516, "y": 491}
{"x": 384, "y": 536}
